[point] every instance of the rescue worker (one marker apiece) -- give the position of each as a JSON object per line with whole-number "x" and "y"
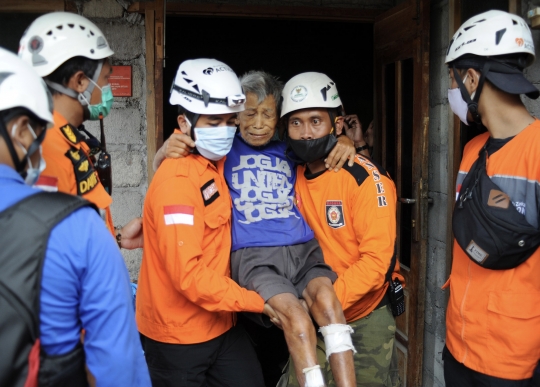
{"x": 83, "y": 280}
{"x": 353, "y": 215}
{"x": 72, "y": 55}
{"x": 493, "y": 318}
{"x": 186, "y": 298}
{"x": 273, "y": 249}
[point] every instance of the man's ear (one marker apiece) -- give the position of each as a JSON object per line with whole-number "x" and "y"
{"x": 78, "y": 82}
{"x": 183, "y": 124}
{"x": 339, "y": 125}
{"x": 21, "y": 134}
{"x": 474, "y": 76}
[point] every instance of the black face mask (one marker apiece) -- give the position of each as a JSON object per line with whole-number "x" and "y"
{"x": 311, "y": 150}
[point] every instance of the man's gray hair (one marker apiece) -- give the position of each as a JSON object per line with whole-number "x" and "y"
{"x": 262, "y": 85}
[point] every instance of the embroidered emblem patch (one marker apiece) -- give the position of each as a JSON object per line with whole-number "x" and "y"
{"x": 334, "y": 213}
{"x": 70, "y": 134}
{"x": 209, "y": 192}
{"x": 85, "y": 174}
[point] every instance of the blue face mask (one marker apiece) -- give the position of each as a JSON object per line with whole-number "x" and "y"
{"x": 214, "y": 143}
{"x": 106, "y": 103}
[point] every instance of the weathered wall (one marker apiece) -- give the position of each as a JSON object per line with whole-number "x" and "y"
{"x": 125, "y": 127}
{"x": 434, "y": 328}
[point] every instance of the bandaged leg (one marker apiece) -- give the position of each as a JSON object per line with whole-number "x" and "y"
{"x": 313, "y": 376}
{"x": 337, "y": 338}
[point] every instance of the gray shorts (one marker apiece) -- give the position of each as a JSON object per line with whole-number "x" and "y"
{"x": 279, "y": 269}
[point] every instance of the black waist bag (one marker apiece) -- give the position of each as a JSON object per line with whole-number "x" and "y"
{"x": 486, "y": 224}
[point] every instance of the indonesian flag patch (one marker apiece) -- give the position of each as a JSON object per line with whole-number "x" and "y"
{"x": 178, "y": 214}
{"x": 334, "y": 213}
{"x": 47, "y": 183}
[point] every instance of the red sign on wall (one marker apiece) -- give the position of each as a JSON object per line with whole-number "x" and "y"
{"x": 120, "y": 81}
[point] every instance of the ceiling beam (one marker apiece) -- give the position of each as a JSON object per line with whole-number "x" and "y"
{"x": 264, "y": 11}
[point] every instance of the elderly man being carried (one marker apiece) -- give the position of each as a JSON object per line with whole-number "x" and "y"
{"x": 274, "y": 251}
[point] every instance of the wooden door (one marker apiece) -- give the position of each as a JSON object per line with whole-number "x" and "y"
{"x": 401, "y": 92}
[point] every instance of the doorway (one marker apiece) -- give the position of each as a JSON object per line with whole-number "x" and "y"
{"x": 284, "y": 48}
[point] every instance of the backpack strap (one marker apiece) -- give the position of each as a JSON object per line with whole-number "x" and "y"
{"x": 25, "y": 228}
{"x": 39, "y": 214}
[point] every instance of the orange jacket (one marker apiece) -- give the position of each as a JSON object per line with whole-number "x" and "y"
{"x": 185, "y": 292}
{"x": 493, "y": 316}
{"x": 70, "y": 169}
{"x": 353, "y": 215}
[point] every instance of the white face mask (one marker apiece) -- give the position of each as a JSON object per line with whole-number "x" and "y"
{"x": 458, "y": 104}
{"x": 214, "y": 143}
{"x": 32, "y": 174}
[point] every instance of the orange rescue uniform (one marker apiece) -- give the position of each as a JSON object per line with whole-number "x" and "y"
{"x": 353, "y": 215}
{"x": 70, "y": 169}
{"x": 185, "y": 293}
{"x": 493, "y": 316}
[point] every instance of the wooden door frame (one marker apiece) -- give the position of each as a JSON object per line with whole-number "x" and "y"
{"x": 413, "y": 41}
{"x": 155, "y": 12}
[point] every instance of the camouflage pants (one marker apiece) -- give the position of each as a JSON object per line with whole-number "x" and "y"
{"x": 375, "y": 362}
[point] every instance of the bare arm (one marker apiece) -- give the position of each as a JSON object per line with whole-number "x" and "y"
{"x": 177, "y": 146}
{"x": 343, "y": 151}
{"x": 353, "y": 129}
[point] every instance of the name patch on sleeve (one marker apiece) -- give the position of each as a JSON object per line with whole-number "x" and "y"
{"x": 209, "y": 192}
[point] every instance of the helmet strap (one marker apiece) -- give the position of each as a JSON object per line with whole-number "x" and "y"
{"x": 84, "y": 97}
{"x": 472, "y": 104}
{"x": 20, "y": 165}
{"x": 333, "y": 118}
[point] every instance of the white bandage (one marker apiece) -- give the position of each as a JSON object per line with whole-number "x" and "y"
{"x": 313, "y": 376}
{"x": 337, "y": 338}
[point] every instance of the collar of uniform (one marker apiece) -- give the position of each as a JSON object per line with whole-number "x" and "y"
{"x": 202, "y": 164}
{"x": 8, "y": 173}
{"x": 68, "y": 131}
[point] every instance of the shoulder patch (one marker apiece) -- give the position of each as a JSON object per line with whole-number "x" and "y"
{"x": 358, "y": 172}
{"x": 209, "y": 192}
{"x": 85, "y": 174}
{"x": 71, "y": 134}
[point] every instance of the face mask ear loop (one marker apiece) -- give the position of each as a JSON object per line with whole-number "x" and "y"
{"x": 85, "y": 96}
{"x": 34, "y": 147}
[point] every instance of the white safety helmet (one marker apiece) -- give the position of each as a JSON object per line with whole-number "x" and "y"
{"x": 492, "y": 33}
{"x": 309, "y": 90}
{"x": 207, "y": 86}
{"x": 20, "y": 86}
{"x": 56, "y": 37}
